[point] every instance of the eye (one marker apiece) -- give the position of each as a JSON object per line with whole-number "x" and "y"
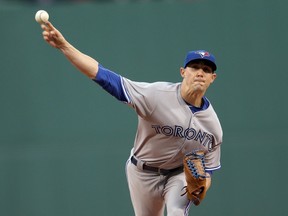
{"x": 196, "y": 67}
{"x": 207, "y": 70}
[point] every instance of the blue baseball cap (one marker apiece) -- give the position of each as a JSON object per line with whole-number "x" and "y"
{"x": 201, "y": 55}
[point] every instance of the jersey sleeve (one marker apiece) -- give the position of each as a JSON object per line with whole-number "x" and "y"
{"x": 212, "y": 159}
{"x": 139, "y": 95}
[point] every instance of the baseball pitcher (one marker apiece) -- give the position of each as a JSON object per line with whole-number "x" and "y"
{"x": 177, "y": 144}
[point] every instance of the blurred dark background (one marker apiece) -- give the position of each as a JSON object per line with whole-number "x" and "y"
{"x": 64, "y": 142}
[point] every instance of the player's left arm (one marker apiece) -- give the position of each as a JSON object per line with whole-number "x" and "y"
{"x": 212, "y": 160}
{"x": 208, "y": 180}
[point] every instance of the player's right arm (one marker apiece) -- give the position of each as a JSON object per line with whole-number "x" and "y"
{"x": 109, "y": 80}
{"x": 86, "y": 64}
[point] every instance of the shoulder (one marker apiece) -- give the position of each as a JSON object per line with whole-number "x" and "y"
{"x": 156, "y": 86}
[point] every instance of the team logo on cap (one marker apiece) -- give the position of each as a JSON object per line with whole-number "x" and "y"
{"x": 203, "y": 53}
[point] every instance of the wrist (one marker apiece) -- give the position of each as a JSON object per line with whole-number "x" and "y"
{"x": 65, "y": 47}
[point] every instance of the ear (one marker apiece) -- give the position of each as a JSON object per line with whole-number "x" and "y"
{"x": 214, "y": 76}
{"x": 182, "y": 72}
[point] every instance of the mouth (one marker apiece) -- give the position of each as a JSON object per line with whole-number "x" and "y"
{"x": 199, "y": 80}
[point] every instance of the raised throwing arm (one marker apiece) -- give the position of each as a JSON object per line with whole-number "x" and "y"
{"x": 84, "y": 63}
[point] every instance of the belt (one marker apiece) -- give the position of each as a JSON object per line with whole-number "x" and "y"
{"x": 155, "y": 169}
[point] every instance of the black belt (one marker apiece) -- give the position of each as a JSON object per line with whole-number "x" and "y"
{"x": 155, "y": 169}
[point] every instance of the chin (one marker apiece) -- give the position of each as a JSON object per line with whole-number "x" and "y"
{"x": 199, "y": 88}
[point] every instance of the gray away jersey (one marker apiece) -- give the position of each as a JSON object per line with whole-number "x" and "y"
{"x": 167, "y": 128}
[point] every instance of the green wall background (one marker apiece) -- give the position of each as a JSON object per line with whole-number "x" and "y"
{"x": 64, "y": 142}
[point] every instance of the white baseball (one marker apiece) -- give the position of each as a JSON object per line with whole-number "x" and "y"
{"x": 41, "y": 16}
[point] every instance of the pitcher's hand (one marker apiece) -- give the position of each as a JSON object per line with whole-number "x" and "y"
{"x": 52, "y": 36}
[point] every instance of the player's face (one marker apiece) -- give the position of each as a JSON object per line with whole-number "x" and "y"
{"x": 197, "y": 76}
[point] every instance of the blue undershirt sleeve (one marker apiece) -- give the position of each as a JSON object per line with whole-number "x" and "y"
{"x": 111, "y": 82}
{"x": 210, "y": 172}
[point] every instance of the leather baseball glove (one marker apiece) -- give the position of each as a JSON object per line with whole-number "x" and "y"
{"x": 194, "y": 169}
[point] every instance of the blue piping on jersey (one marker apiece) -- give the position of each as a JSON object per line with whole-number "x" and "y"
{"x": 128, "y": 100}
{"x": 211, "y": 170}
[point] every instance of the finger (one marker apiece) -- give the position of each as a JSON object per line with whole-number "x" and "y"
{"x": 46, "y": 38}
{"x": 43, "y": 26}
{"x": 45, "y": 34}
{"x": 50, "y": 26}
{"x": 47, "y": 26}
{"x": 54, "y": 35}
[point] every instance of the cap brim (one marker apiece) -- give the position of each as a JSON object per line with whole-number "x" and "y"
{"x": 208, "y": 62}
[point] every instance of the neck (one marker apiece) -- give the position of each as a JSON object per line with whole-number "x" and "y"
{"x": 192, "y": 96}
{"x": 195, "y": 100}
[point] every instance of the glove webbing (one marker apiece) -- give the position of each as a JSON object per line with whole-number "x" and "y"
{"x": 192, "y": 167}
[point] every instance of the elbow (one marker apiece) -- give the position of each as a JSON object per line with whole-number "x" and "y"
{"x": 92, "y": 73}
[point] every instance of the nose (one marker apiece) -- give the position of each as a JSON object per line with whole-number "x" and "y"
{"x": 200, "y": 72}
